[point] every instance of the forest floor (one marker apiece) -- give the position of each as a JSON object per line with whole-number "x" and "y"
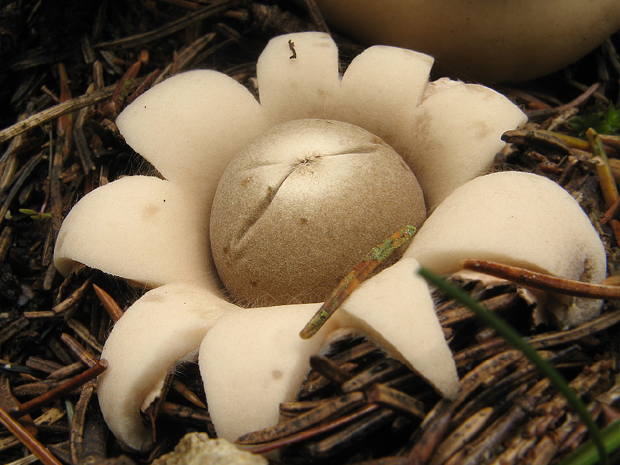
{"x": 63, "y": 76}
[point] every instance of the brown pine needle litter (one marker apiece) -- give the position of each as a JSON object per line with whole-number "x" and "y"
{"x": 65, "y": 75}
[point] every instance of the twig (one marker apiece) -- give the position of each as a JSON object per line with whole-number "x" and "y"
{"x": 64, "y": 123}
{"x": 189, "y": 395}
{"x": 64, "y": 388}
{"x": 424, "y": 448}
{"x": 316, "y": 15}
{"x": 141, "y": 39}
{"x": 303, "y": 421}
{"x": 38, "y": 449}
{"x": 295, "y": 438}
{"x": 109, "y": 304}
{"x": 6, "y": 237}
{"x": 12, "y": 329}
{"x": 197, "y": 416}
{"x": 539, "y": 140}
{"x": 84, "y": 334}
{"x": 122, "y": 90}
{"x": 351, "y": 433}
{"x": 329, "y": 369}
{"x": 461, "y": 435}
{"x": 146, "y": 84}
{"x": 587, "y": 453}
{"x": 182, "y": 3}
{"x": 378, "y": 372}
{"x": 574, "y": 103}
{"x": 77, "y": 348}
{"x": 26, "y": 171}
{"x": 396, "y": 400}
{"x": 354, "y": 278}
{"x": 56, "y": 200}
{"x": 54, "y": 112}
{"x": 79, "y": 419}
{"x": 66, "y": 371}
{"x": 74, "y": 298}
{"x": 606, "y": 179}
{"x": 542, "y": 281}
{"x": 541, "y": 341}
{"x": 579, "y": 100}
{"x": 183, "y": 58}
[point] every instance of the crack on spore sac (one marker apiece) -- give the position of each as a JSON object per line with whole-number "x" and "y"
{"x": 236, "y": 248}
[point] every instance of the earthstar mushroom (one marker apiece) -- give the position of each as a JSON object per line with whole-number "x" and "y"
{"x": 186, "y": 129}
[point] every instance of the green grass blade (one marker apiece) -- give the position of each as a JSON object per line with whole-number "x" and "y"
{"x": 587, "y": 453}
{"x": 515, "y": 339}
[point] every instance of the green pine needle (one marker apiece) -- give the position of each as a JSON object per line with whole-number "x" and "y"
{"x": 587, "y": 454}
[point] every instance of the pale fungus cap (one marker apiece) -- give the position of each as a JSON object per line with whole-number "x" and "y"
{"x": 191, "y": 125}
{"x": 298, "y": 77}
{"x": 518, "y": 219}
{"x": 253, "y": 358}
{"x": 394, "y": 308}
{"x": 449, "y": 146}
{"x": 376, "y": 309}
{"x": 487, "y": 41}
{"x": 447, "y": 134}
{"x": 163, "y": 328}
{"x": 140, "y": 228}
{"x": 156, "y": 231}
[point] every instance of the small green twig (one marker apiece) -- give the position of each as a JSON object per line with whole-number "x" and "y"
{"x": 596, "y": 144}
{"x": 354, "y": 278}
{"x": 513, "y": 337}
{"x": 606, "y": 179}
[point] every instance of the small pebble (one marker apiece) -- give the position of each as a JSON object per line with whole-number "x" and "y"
{"x": 199, "y": 449}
